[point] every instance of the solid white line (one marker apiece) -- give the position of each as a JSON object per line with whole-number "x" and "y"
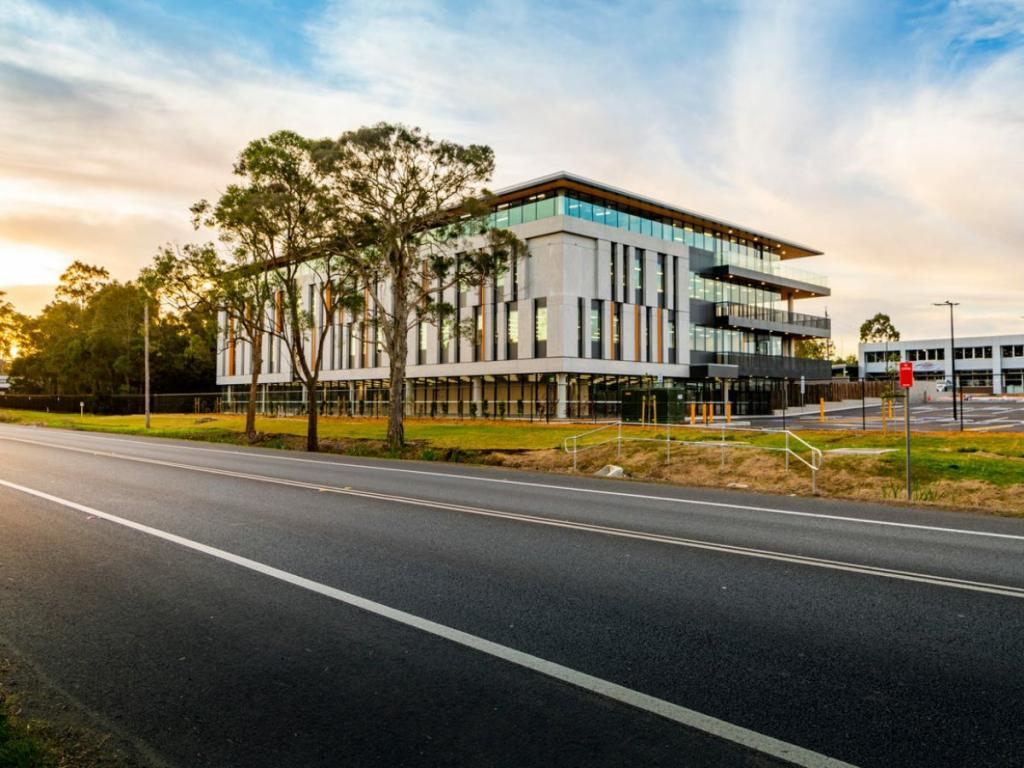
{"x": 687, "y": 717}
{"x": 817, "y": 562}
{"x": 552, "y": 486}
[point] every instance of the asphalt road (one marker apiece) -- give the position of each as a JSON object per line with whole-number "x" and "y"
{"x": 980, "y": 415}
{"x": 232, "y": 607}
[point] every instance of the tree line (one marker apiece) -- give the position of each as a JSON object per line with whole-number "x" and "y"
{"x": 89, "y": 340}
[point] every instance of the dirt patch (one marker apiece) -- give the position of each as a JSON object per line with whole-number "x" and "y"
{"x": 858, "y": 478}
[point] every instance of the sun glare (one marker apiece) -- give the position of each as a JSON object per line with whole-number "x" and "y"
{"x": 27, "y": 264}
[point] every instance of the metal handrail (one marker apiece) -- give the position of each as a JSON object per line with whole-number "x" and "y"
{"x": 814, "y": 465}
{"x": 770, "y": 314}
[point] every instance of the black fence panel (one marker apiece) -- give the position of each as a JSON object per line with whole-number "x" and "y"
{"x": 114, "y": 405}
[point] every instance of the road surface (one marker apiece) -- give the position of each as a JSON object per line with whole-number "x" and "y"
{"x": 232, "y": 607}
{"x": 980, "y": 414}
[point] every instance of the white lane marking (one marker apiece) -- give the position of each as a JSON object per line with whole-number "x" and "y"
{"x": 731, "y": 549}
{"x": 688, "y": 717}
{"x": 546, "y": 486}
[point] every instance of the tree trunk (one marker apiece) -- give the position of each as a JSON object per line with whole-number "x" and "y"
{"x": 312, "y": 417}
{"x": 396, "y": 408}
{"x": 257, "y": 365}
{"x": 398, "y": 353}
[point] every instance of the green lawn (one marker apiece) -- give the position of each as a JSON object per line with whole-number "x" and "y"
{"x": 993, "y": 458}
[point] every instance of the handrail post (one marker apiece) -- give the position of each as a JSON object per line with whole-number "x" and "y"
{"x": 618, "y": 451}
{"x": 574, "y": 449}
{"x": 668, "y": 440}
{"x": 787, "y": 450}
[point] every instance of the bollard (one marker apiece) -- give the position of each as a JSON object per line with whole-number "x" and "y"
{"x": 821, "y": 413}
{"x": 728, "y": 412}
{"x": 693, "y": 414}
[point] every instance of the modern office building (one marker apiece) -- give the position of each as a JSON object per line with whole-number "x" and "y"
{"x": 987, "y": 363}
{"x": 618, "y": 291}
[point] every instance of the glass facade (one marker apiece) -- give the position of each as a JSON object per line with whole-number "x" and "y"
{"x": 728, "y": 248}
{"x": 611, "y": 214}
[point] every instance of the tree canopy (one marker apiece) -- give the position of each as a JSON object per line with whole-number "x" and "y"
{"x": 95, "y": 347}
{"x": 878, "y": 329}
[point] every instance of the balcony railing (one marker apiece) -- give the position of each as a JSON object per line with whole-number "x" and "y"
{"x": 771, "y": 315}
{"x": 769, "y": 266}
{"x": 768, "y": 366}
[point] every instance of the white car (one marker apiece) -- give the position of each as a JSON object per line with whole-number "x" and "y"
{"x": 944, "y": 386}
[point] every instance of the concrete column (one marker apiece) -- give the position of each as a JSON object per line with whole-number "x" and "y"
{"x": 997, "y": 370}
{"x": 560, "y": 406}
{"x": 478, "y": 394}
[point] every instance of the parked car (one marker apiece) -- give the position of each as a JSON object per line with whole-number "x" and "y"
{"x": 944, "y": 386}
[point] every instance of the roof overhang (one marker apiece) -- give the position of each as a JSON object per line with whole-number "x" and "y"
{"x": 565, "y": 180}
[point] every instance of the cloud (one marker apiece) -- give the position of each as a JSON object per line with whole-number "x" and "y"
{"x": 890, "y": 138}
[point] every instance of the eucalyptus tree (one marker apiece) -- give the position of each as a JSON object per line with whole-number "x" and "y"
{"x": 880, "y": 329}
{"x": 80, "y": 282}
{"x": 282, "y": 224}
{"x": 413, "y": 202}
{"x": 197, "y": 278}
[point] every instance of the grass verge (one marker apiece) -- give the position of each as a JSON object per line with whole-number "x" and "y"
{"x": 41, "y": 728}
{"x": 979, "y": 471}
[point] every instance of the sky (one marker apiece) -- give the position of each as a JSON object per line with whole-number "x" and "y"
{"x": 888, "y": 135}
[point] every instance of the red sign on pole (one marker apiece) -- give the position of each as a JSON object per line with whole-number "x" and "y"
{"x": 906, "y": 375}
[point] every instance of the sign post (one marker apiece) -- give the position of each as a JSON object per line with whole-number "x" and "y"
{"x": 907, "y": 381}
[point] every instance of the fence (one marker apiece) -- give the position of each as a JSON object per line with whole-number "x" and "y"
{"x": 338, "y": 403}
{"x": 116, "y": 405}
{"x": 611, "y": 433}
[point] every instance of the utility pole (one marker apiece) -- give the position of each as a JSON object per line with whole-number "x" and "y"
{"x": 145, "y": 321}
{"x": 952, "y": 348}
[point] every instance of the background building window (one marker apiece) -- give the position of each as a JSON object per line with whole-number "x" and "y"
{"x": 421, "y": 346}
{"x": 596, "y": 335}
{"x": 616, "y": 351}
{"x": 511, "y": 331}
{"x": 673, "y": 355}
{"x": 624, "y": 277}
{"x": 540, "y": 328}
{"x": 638, "y": 275}
{"x": 581, "y": 327}
{"x": 478, "y": 333}
{"x": 614, "y": 271}
{"x": 661, "y": 280}
{"x": 445, "y": 339}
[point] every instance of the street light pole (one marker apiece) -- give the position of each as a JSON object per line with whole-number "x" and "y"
{"x": 145, "y": 320}
{"x": 952, "y": 345}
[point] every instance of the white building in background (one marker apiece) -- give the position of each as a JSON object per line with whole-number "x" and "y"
{"x": 992, "y": 363}
{"x": 618, "y": 291}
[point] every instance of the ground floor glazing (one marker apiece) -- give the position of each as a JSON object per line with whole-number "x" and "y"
{"x": 538, "y": 396}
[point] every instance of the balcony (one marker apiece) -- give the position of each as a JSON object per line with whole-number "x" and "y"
{"x": 769, "y": 319}
{"x": 751, "y": 270}
{"x": 735, "y": 364}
